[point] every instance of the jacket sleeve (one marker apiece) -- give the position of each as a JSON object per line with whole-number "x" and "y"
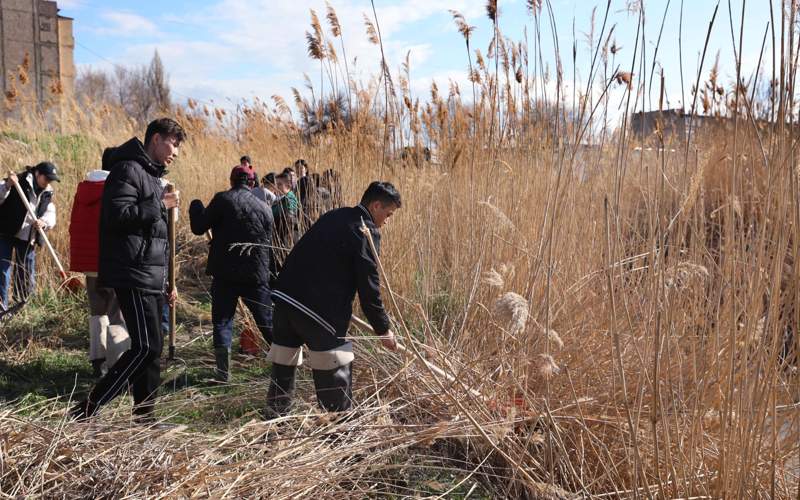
{"x": 49, "y": 216}
{"x": 197, "y": 218}
{"x": 368, "y": 283}
{"x": 4, "y": 192}
{"x": 121, "y": 205}
{"x": 202, "y": 219}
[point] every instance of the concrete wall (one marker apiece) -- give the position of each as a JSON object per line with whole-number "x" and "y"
{"x": 30, "y": 36}
{"x": 66, "y": 46}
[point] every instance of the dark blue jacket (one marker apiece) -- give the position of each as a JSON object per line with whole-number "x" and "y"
{"x": 235, "y": 216}
{"x": 328, "y": 266}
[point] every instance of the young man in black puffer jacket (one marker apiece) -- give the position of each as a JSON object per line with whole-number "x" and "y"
{"x": 314, "y": 300}
{"x": 133, "y": 260}
{"x": 236, "y": 217}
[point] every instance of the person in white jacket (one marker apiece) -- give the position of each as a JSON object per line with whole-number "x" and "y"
{"x": 18, "y": 235}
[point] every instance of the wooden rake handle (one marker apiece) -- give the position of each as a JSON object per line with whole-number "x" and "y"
{"x": 171, "y": 225}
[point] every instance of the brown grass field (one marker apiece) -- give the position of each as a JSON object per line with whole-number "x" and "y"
{"x": 622, "y": 313}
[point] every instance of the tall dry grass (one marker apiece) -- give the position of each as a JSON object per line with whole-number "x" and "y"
{"x": 625, "y": 315}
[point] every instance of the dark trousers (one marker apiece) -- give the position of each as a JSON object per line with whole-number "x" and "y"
{"x": 141, "y": 364}
{"x": 225, "y": 296}
{"x": 24, "y": 272}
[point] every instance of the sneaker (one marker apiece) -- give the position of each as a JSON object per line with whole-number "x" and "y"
{"x": 83, "y": 411}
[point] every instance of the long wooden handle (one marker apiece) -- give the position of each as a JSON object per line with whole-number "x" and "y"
{"x": 32, "y": 213}
{"x": 171, "y": 221}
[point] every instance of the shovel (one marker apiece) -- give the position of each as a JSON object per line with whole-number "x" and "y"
{"x": 71, "y": 283}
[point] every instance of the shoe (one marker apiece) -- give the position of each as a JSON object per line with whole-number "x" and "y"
{"x": 281, "y": 391}
{"x": 223, "y": 357}
{"x": 83, "y": 411}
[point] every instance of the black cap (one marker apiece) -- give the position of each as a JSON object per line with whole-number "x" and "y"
{"x": 48, "y": 170}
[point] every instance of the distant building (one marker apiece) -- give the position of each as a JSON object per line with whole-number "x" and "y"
{"x": 36, "y": 50}
{"x": 674, "y": 125}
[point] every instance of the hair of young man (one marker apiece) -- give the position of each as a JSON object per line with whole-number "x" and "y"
{"x": 288, "y": 171}
{"x": 283, "y": 178}
{"x": 245, "y": 158}
{"x": 268, "y": 179}
{"x": 384, "y": 192}
{"x": 165, "y": 127}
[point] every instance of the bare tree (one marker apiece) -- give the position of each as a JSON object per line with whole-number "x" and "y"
{"x": 158, "y": 84}
{"x": 141, "y": 91}
{"x": 94, "y": 85}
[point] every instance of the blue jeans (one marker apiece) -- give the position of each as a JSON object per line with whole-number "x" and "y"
{"x": 224, "y": 297}
{"x": 24, "y": 268}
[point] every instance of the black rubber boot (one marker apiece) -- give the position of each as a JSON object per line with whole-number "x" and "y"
{"x": 223, "y": 356}
{"x": 334, "y": 388}
{"x": 281, "y": 391}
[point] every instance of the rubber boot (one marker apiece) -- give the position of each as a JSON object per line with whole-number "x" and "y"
{"x": 281, "y": 390}
{"x": 334, "y": 388}
{"x": 97, "y": 368}
{"x": 97, "y": 343}
{"x": 223, "y": 356}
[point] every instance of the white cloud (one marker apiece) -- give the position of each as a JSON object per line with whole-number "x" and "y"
{"x": 264, "y": 41}
{"x": 126, "y": 24}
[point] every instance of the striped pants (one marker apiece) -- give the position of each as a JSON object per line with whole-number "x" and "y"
{"x": 140, "y": 365}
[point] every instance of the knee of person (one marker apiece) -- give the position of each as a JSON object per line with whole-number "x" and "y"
{"x": 146, "y": 352}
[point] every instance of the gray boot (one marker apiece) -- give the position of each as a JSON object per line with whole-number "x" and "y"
{"x": 281, "y": 390}
{"x": 334, "y": 388}
{"x": 223, "y": 356}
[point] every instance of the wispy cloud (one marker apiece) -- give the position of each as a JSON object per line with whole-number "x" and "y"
{"x": 126, "y": 24}
{"x": 244, "y": 48}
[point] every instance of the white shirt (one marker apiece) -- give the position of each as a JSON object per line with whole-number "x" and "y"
{"x": 49, "y": 216}
{"x": 265, "y": 195}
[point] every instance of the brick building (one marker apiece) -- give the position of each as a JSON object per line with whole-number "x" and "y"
{"x": 36, "y": 50}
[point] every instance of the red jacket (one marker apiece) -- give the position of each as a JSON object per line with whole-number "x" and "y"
{"x": 84, "y": 227}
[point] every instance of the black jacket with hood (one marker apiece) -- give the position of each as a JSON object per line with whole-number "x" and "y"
{"x": 133, "y": 222}
{"x": 235, "y": 216}
{"x": 328, "y": 266}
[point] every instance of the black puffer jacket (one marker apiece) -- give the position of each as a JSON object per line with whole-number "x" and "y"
{"x": 326, "y": 268}
{"x": 235, "y": 216}
{"x": 133, "y": 222}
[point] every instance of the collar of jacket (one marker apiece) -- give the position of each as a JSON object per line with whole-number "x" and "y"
{"x": 134, "y": 150}
{"x": 30, "y": 179}
{"x": 364, "y": 209}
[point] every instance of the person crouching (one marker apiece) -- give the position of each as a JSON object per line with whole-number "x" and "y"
{"x": 238, "y": 260}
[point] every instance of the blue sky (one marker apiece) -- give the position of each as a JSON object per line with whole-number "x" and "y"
{"x": 227, "y": 50}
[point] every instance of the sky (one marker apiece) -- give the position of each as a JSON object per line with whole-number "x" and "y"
{"x": 224, "y": 51}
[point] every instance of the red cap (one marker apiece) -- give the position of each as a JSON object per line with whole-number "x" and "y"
{"x": 240, "y": 171}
